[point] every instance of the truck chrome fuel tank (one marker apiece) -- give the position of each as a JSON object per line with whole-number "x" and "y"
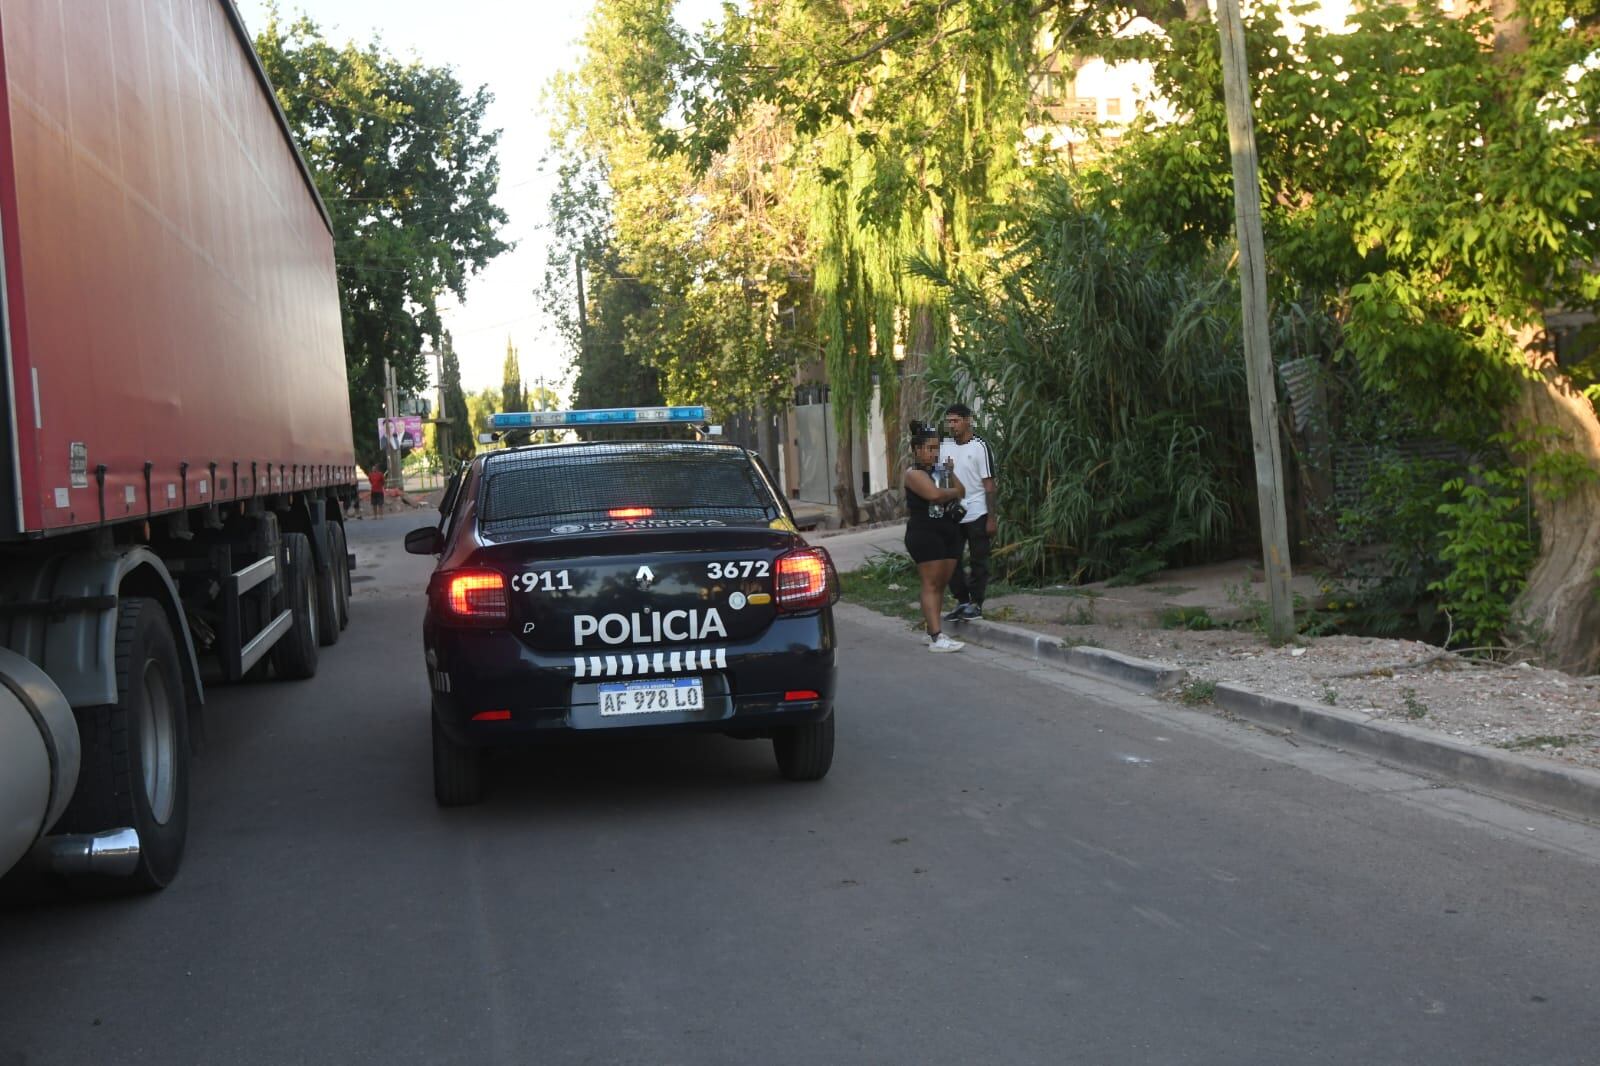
{"x": 38, "y": 755}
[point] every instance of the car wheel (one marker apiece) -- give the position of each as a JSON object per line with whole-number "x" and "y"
{"x": 458, "y": 770}
{"x": 135, "y": 762}
{"x": 327, "y": 582}
{"x": 295, "y": 654}
{"x": 805, "y": 752}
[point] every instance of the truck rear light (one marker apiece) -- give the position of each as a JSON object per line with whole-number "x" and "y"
{"x": 476, "y": 596}
{"x": 631, "y": 512}
{"x": 805, "y": 580}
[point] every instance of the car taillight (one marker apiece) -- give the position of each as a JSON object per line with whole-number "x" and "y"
{"x": 631, "y": 512}
{"x": 805, "y": 580}
{"x": 476, "y": 596}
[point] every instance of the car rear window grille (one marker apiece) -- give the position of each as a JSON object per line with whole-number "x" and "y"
{"x": 542, "y": 487}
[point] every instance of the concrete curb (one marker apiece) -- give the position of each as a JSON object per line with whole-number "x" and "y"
{"x": 1571, "y": 790}
{"x": 1140, "y": 674}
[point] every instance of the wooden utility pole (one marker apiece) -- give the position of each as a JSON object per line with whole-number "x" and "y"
{"x": 583, "y": 311}
{"x": 1257, "y": 348}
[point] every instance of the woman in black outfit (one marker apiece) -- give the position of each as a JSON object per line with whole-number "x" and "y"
{"x": 932, "y": 540}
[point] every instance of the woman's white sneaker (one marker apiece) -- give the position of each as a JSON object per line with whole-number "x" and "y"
{"x": 944, "y": 643}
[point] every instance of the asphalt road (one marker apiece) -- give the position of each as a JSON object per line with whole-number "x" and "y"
{"x": 1004, "y": 866}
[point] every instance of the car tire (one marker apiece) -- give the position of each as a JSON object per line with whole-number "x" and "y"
{"x": 327, "y": 583}
{"x": 805, "y": 752}
{"x": 459, "y": 770}
{"x": 341, "y": 559}
{"x": 295, "y": 654}
{"x": 135, "y": 762}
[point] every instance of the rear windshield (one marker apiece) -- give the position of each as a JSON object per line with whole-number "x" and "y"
{"x": 585, "y": 485}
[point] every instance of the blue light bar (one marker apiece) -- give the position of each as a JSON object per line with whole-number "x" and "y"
{"x": 602, "y": 416}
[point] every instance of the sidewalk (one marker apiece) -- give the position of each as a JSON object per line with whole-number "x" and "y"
{"x": 1188, "y": 636}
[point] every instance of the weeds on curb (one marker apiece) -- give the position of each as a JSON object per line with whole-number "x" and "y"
{"x": 1414, "y": 707}
{"x": 1330, "y": 695}
{"x": 1197, "y": 692}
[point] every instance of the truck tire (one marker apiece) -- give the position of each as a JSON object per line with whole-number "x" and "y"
{"x": 135, "y": 768}
{"x": 341, "y": 557}
{"x": 327, "y": 583}
{"x": 805, "y": 752}
{"x": 459, "y": 770}
{"x": 295, "y": 654}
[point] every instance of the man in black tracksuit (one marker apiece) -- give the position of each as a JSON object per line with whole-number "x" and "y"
{"x": 974, "y": 463}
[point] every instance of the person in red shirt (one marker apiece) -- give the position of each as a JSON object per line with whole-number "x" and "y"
{"x": 375, "y": 478}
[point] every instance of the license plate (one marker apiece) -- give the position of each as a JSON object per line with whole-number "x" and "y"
{"x": 652, "y": 697}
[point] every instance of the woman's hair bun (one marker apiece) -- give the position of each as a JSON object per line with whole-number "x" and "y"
{"x": 919, "y": 427}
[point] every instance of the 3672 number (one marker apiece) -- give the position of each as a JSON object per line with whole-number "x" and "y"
{"x": 744, "y": 568}
{"x": 542, "y": 581}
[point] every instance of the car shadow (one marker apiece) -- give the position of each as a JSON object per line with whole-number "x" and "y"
{"x": 617, "y": 774}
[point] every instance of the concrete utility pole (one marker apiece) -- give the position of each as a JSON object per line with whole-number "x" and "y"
{"x": 391, "y": 403}
{"x": 1257, "y": 348}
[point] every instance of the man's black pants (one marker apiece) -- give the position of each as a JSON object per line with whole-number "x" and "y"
{"x": 970, "y": 590}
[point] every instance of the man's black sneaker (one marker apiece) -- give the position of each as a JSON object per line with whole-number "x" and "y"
{"x": 960, "y": 613}
{"x": 969, "y": 611}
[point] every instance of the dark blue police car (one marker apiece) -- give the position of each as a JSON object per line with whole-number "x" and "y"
{"x": 640, "y": 586}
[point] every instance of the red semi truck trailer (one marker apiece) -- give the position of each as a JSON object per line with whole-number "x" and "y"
{"x": 175, "y": 444}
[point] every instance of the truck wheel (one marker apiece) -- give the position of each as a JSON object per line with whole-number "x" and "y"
{"x": 341, "y": 557}
{"x": 805, "y": 752}
{"x": 295, "y": 654}
{"x": 327, "y": 582}
{"x": 458, "y": 770}
{"x": 135, "y": 769}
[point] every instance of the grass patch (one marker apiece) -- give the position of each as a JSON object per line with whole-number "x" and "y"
{"x": 1197, "y": 692}
{"x": 1081, "y": 615}
{"x": 1187, "y": 618}
{"x": 1414, "y": 708}
{"x": 887, "y": 583}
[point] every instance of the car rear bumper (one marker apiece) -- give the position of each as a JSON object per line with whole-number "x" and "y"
{"x": 490, "y": 688}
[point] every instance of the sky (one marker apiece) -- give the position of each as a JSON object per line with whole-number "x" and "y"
{"x": 514, "y": 48}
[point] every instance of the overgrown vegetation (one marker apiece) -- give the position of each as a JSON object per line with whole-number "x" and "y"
{"x": 1110, "y": 380}
{"x": 805, "y": 183}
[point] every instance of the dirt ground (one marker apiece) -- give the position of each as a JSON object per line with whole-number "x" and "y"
{"x": 1516, "y": 706}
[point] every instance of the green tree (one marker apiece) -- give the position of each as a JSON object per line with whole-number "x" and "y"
{"x": 407, "y": 171}
{"x": 692, "y": 277}
{"x": 512, "y": 395}
{"x": 480, "y": 405}
{"x": 1436, "y": 173}
{"x": 455, "y": 413}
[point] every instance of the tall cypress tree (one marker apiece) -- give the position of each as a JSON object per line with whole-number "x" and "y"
{"x": 512, "y": 398}
{"x": 455, "y": 408}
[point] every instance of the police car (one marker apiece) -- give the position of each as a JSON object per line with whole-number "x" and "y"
{"x": 623, "y": 586}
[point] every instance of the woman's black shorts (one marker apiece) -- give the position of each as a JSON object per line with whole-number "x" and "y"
{"x": 930, "y": 541}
